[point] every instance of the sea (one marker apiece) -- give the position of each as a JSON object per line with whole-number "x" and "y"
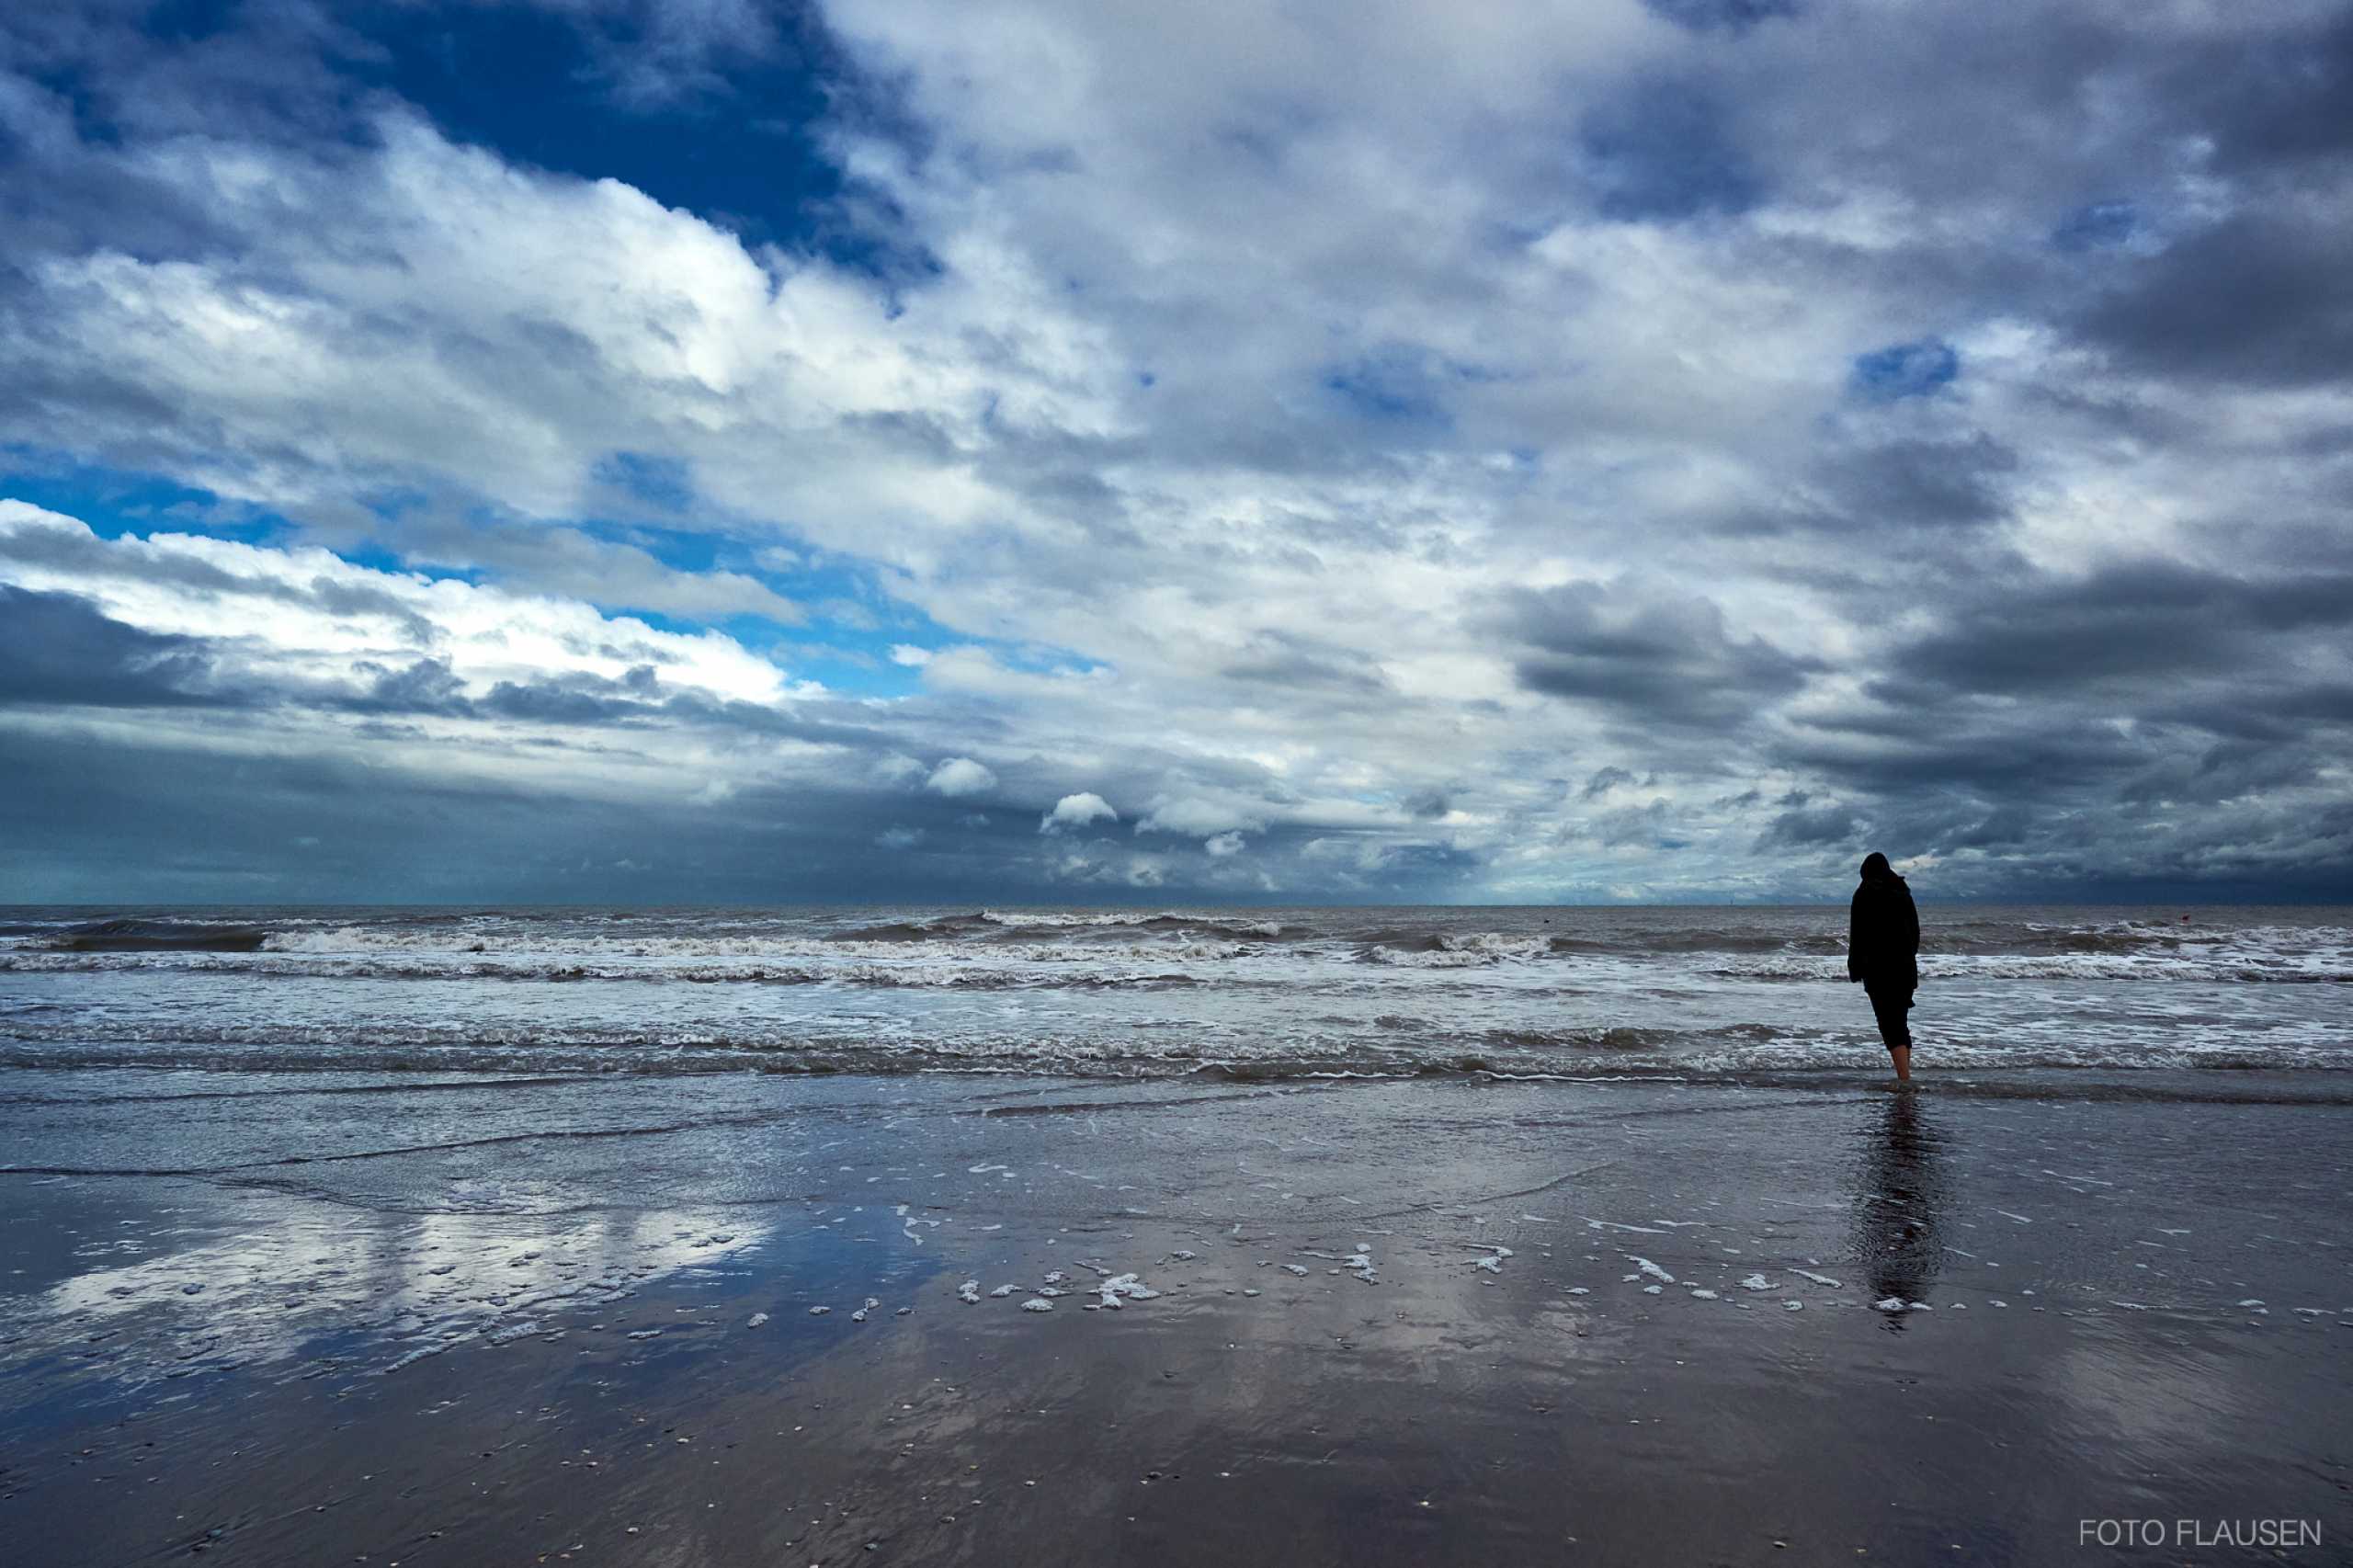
{"x": 1256, "y": 993}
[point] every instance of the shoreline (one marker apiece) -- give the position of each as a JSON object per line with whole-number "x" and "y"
{"x": 53, "y": 1080}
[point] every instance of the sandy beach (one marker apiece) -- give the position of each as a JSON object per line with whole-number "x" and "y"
{"x": 336, "y": 1318}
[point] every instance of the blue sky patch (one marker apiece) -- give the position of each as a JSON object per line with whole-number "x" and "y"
{"x": 2103, "y": 225}
{"x": 115, "y": 502}
{"x": 1906, "y": 369}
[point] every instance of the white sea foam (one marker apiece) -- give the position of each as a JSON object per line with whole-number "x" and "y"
{"x": 1122, "y": 1287}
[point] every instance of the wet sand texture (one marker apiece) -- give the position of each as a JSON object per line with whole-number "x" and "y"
{"x": 764, "y": 1319}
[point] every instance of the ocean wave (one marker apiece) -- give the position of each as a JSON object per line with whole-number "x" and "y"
{"x": 1453, "y": 949}
{"x": 1023, "y": 922}
{"x": 937, "y": 929}
{"x": 894, "y": 942}
{"x": 154, "y": 935}
{"x": 928, "y": 976}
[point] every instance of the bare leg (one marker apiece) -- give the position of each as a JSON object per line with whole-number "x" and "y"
{"x": 1888, "y": 1009}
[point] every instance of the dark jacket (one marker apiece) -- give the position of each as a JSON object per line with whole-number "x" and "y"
{"x": 1883, "y": 933}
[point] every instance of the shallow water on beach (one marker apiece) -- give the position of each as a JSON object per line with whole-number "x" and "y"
{"x": 1249, "y": 993}
{"x": 317, "y": 1315}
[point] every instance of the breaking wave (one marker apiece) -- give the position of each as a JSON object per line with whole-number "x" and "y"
{"x": 146, "y": 936}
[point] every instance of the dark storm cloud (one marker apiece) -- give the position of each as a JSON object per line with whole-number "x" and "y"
{"x": 1902, "y": 487}
{"x": 2276, "y": 106}
{"x": 427, "y": 686}
{"x": 1921, "y": 750}
{"x": 1947, "y": 481}
{"x": 568, "y": 702}
{"x": 270, "y": 828}
{"x": 2229, "y": 770}
{"x": 2263, "y": 297}
{"x": 1731, "y": 16}
{"x": 2047, "y": 719}
{"x": 62, "y": 649}
{"x": 150, "y": 823}
{"x": 1804, "y": 827}
{"x": 1664, "y": 659}
{"x": 2137, "y": 621}
{"x": 1661, "y": 148}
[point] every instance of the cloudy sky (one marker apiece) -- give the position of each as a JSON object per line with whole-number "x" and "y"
{"x": 707, "y": 449}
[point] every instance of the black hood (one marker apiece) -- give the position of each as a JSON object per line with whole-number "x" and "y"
{"x": 1875, "y": 866}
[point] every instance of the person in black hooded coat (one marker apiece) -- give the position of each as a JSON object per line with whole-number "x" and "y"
{"x": 1883, "y": 953}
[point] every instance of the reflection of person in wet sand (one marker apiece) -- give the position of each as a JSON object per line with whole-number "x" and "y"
{"x": 1900, "y": 1200}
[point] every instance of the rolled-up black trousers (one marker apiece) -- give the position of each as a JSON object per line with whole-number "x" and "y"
{"x": 1889, "y": 1004}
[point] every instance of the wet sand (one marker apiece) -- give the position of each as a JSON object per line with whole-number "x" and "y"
{"x": 1430, "y": 1322}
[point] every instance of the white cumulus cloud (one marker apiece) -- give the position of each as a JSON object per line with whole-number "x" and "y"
{"x": 960, "y": 776}
{"x": 1077, "y": 810}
